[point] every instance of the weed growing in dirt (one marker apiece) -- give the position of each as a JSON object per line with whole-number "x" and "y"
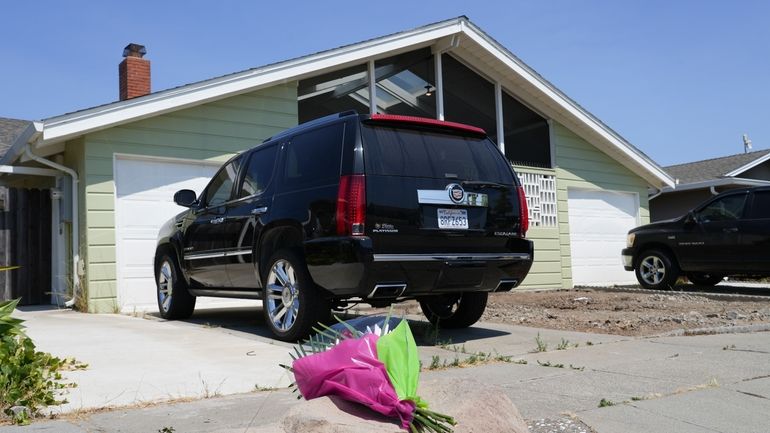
{"x": 259, "y": 387}
{"x": 542, "y": 346}
{"x": 166, "y": 430}
{"x": 473, "y": 359}
{"x": 606, "y": 403}
{"x": 563, "y": 344}
{"x": 729, "y": 347}
{"x": 549, "y": 364}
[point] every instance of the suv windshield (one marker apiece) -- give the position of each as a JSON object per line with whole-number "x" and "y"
{"x": 418, "y": 153}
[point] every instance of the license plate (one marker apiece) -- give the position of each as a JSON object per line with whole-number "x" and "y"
{"x": 452, "y": 219}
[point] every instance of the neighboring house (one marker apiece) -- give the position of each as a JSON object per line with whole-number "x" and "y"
{"x": 25, "y": 229}
{"x": 586, "y": 186}
{"x": 697, "y": 181}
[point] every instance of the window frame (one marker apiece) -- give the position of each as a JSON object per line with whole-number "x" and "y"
{"x": 204, "y": 200}
{"x": 244, "y": 170}
{"x": 740, "y": 217}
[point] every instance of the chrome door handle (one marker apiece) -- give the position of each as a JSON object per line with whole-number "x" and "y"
{"x": 259, "y": 210}
{"x": 730, "y": 230}
{"x": 219, "y": 220}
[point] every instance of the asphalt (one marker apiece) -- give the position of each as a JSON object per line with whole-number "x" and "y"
{"x": 705, "y": 383}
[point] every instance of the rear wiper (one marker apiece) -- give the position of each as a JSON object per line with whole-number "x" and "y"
{"x": 485, "y": 184}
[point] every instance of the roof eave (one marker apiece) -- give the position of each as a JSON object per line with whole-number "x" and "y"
{"x": 30, "y": 135}
{"x": 750, "y": 165}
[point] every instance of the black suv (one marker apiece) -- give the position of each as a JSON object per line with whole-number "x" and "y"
{"x": 727, "y": 235}
{"x": 351, "y": 208}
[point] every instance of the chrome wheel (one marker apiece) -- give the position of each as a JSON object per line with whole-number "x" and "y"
{"x": 165, "y": 286}
{"x": 652, "y": 270}
{"x": 282, "y": 295}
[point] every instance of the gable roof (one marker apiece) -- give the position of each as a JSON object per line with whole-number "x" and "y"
{"x": 459, "y": 35}
{"x": 709, "y": 169}
{"x": 10, "y": 129}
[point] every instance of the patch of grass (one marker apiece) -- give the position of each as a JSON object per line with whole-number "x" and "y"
{"x": 259, "y": 387}
{"x": 473, "y": 359}
{"x": 435, "y": 362}
{"x": 589, "y": 343}
{"x": 563, "y": 344}
{"x": 549, "y": 364}
{"x": 606, "y": 403}
{"x": 577, "y": 368}
{"x": 637, "y": 398}
{"x": 166, "y": 430}
{"x": 541, "y": 345}
{"x": 729, "y": 347}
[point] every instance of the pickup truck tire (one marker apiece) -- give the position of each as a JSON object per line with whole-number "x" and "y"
{"x": 174, "y": 300}
{"x": 704, "y": 279}
{"x": 455, "y": 310}
{"x": 656, "y": 270}
{"x": 292, "y": 303}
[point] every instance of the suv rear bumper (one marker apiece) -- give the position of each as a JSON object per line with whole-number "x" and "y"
{"x": 349, "y": 268}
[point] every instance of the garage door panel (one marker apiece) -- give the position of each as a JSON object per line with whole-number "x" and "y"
{"x": 598, "y": 223}
{"x": 144, "y": 191}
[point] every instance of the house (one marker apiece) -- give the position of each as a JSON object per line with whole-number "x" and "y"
{"x": 697, "y": 181}
{"x": 118, "y": 164}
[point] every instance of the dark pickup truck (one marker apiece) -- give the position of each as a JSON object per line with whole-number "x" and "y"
{"x": 725, "y": 236}
{"x": 351, "y": 208}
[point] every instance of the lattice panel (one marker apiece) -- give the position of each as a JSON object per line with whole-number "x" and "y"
{"x": 540, "y": 190}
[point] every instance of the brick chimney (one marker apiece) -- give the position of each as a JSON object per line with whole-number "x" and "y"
{"x": 134, "y": 72}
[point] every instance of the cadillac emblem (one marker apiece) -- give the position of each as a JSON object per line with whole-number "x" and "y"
{"x": 456, "y": 192}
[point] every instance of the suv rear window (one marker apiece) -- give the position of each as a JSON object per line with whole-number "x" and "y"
{"x": 418, "y": 153}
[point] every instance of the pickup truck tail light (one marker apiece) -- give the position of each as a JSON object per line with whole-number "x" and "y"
{"x": 523, "y": 211}
{"x": 351, "y": 205}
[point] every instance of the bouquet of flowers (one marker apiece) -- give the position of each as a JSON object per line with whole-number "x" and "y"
{"x": 378, "y": 368}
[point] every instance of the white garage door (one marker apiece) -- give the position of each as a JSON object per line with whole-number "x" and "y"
{"x": 144, "y": 201}
{"x": 599, "y": 222}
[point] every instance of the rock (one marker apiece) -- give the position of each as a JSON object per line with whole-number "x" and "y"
{"x": 734, "y": 315}
{"x": 482, "y": 408}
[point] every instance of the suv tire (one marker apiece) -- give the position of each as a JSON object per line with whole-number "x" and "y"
{"x": 704, "y": 279}
{"x": 656, "y": 270}
{"x": 174, "y": 300}
{"x": 455, "y": 310}
{"x": 292, "y": 303}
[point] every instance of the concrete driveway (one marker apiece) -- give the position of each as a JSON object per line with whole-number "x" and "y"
{"x": 708, "y": 383}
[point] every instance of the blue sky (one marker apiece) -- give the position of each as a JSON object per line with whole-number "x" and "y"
{"x": 681, "y": 80}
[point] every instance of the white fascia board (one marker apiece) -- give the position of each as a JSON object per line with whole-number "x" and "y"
{"x": 565, "y": 103}
{"x": 72, "y": 125}
{"x": 29, "y": 135}
{"x": 716, "y": 182}
{"x": 35, "y": 171}
{"x": 749, "y": 166}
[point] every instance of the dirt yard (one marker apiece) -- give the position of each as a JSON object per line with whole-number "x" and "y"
{"x": 616, "y": 312}
{"x": 622, "y": 313}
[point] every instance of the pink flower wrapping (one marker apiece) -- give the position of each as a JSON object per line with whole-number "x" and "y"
{"x": 351, "y": 370}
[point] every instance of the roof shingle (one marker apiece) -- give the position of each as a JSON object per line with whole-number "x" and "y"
{"x": 9, "y": 130}
{"x": 712, "y": 168}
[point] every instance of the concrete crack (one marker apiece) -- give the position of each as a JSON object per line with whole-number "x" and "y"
{"x": 752, "y": 394}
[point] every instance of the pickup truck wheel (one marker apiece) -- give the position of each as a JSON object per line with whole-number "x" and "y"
{"x": 704, "y": 279}
{"x": 292, "y": 303}
{"x": 456, "y": 310}
{"x": 174, "y": 300}
{"x": 656, "y": 270}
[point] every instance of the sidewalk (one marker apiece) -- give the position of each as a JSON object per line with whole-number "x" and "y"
{"x": 711, "y": 383}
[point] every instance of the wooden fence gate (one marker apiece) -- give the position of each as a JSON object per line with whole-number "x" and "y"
{"x": 25, "y": 241}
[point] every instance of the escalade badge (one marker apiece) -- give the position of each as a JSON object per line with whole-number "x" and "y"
{"x": 456, "y": 192}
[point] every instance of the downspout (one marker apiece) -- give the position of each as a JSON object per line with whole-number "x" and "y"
{"x": 75, "y": 243}
{"x": 660, "y": 191}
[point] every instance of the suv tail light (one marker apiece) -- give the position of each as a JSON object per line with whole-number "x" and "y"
{"x": 523, "y": 211}
{"x": 351, "y": 205}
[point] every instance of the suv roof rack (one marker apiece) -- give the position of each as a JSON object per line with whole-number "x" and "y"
{"x": 311, "y": 123}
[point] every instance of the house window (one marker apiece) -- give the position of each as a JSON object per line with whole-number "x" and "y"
{"x": 333, "y": 93}
{"x": 406, "y": 84}
{"x": 468, "y": 97}
{"x": 540, "y": 190}
{"x": 527, "y": 139}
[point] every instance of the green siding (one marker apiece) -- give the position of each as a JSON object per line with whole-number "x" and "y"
{"x": 213, "y": 132}
{"x": 581, "y": 165}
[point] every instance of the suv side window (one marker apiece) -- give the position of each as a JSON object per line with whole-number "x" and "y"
{"x": 313, "y": 158}
{"x": 259, "y": 172}
{"x": 221, "y": 187}
{"x": 728, "y": 208}
{"x": 760, "y": 207}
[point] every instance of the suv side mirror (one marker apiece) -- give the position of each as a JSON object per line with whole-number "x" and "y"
{"x": 690, "y": 218}
{"x": 185, "y": 197}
